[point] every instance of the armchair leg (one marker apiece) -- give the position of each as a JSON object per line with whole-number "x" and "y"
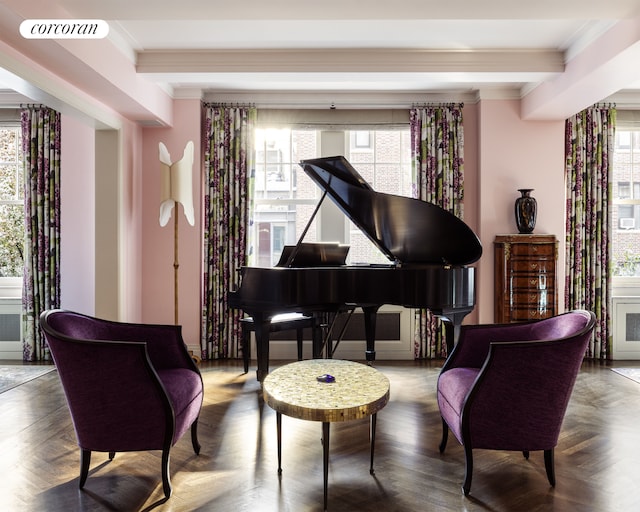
{"x": 85, "y": 459}
{"x": 468, "y": 471}
{"x": 194, "y": 437}
{"x": 445, "y": 436}
{"x": 166, "y": 481}
{"x": 526, "y": 454}
{"x": 112, "y": 455}
{"x": 550, "y": 466}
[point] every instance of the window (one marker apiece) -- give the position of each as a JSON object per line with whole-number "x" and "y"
{"x": 626, "y": 204}
{"x": 386, "y": 164}
{"x": 11, "y": 203}
{"x": 285, "y": 197}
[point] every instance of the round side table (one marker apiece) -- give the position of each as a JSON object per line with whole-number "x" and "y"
{"x": 355, "y": 392}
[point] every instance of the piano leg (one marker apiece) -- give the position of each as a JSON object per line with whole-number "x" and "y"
{"x": 262, "y": 328}
{"x": 452, "y": 324}
{"x": 370, "y": 313}
{"x": 317, "y": 337}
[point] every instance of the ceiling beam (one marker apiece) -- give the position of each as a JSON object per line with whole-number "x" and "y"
{"x": 349, "y": 60}
{"x": 607, "y": 66}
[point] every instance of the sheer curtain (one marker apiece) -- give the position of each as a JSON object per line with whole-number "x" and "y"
{"x": 589, "y": 143}
{"x": 228, "y": 195}
{"x": 437, "y": 153}
{"x": 41, "y": 276}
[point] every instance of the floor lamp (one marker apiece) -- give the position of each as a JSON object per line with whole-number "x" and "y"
{"x": 176, "y": 187}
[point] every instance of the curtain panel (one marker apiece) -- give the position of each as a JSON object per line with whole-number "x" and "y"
{"x": 589, "y": 146}
{"x": 437, "y": 154}
{"x": 228, "y": 198}
{"x": 41, "y": 275}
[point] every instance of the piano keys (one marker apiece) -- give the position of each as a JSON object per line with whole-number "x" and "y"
{"x": 429, "y": 252}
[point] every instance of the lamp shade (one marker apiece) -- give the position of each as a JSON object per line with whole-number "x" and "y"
{"x": 176, "y": 184}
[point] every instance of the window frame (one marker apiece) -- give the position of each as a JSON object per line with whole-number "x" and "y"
{"x": 632, "y": 201}
{"x": 11, "y": 286}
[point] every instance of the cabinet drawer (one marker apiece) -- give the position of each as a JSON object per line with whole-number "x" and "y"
{"x": 523, "y": 314}
{"x": 527, "y": 298}
{"x": 541, "y": 250}
{"x": 534, "y": 267}
{"x": 532, "y": 281}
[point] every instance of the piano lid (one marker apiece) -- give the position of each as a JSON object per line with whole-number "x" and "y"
{"x": 406, "y": 230}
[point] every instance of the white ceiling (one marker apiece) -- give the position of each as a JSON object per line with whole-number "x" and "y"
{"x": 347, "y": 46}
{"x": 566, "y": 26}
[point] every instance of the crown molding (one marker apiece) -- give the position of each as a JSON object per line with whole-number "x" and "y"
{"x": 625, "y": 100}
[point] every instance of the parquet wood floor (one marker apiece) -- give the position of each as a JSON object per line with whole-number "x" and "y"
{"x": 596, "y": 460}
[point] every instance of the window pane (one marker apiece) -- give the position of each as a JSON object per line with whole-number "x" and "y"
{"x": 624, "y": 190}
{"x": 7, "y": 183}
{"x": 12, "y": 240}
{"x": 285, "y": 196}
{"x": 386, "y": 165}
{"x": 625, "y": 218}
{"x": 10, "y": 164}
{"x": 11, "y": 206}
{"x": 9, "y": 145}
{"x": 623, "y": 140}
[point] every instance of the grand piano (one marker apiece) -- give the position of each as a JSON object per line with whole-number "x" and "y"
{"x": 429, "y": 252}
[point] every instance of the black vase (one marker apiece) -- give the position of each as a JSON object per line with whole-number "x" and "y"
{"x": 526, "y": 208}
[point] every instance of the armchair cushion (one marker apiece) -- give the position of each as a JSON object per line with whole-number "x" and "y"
{"x": 453, "y": 388}
{"x": 184, "y": 389}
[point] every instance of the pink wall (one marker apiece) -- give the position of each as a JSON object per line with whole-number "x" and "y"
{"x": 158, "y": 242}
{"x": 77, "y": 192}
{"x": 517, "y": 154}
{"x": 130, "y": 222}
{"x": 471, "y": 180}
{"x": 101, "y": 242}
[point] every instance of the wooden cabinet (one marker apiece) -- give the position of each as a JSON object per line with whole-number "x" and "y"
{"x": 525, "y": 277}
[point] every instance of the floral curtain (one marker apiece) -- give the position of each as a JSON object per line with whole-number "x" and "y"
{"x": 437, "y": 152}
{"x": 41, "y": 275}
{"x": 228, "y": 197}
{"x": 589, "y": 142}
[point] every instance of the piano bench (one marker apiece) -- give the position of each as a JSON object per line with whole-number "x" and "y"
{"x": 283, "y": 322}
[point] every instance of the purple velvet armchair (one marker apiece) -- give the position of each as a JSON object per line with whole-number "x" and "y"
{"x": 507, "y": 386}
{"x": 129, "y": 387}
